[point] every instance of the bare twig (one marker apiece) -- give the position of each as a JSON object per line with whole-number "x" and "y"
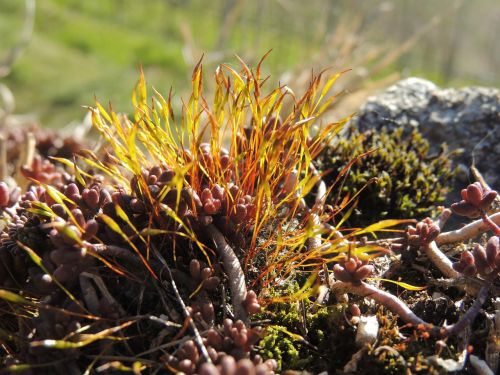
{"x": 197, "y": 338}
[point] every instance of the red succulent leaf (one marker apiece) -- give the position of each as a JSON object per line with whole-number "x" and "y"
{"x": 492, "y": 250}
{"x": 464, "y": 208}
{"x": 488, "y": 199}
{"x": 474, "y": 194}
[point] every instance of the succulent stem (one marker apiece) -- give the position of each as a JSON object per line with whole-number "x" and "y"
{"x": 440, "y": 260}
{"x": 390, "y": 301}
{"x": 233, "y": 269}
{"x": 467, "y": 232}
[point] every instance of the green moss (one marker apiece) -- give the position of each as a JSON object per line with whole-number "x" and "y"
{"x": 305, "y": 337}
{"x": 409, "y": 183}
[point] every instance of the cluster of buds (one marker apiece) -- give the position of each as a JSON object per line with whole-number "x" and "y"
{"x": 251, "y": 303}
{"x": 44, "y": 171}
{"x": 424, "y": 233}
{"x": 352, "y": 270}
{"x": 8, "y": 197}
{"x": 203, "y": 275}
{"x": 484, "y": 261}
{"x": 225, "y": 348}
{"x": 475, "y": 200}
{"x": 207, "y": 159}
{"x": 13, "y": 261}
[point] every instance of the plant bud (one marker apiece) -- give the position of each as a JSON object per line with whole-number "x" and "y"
{"x": 245, "y": 367}
{"x": 211, "y": 283}
{"x": 213, "y": 338}
{"x": 64, "y": 273}
{"x": 206, "y": 273}
{"x": 72, "y": 192}
{"x": 78, "y": 215}
{"x": 466, "y": 209}
{"x": 241, "y": 212}
{"x": 470, "y": 270}
{"x": 463, "y": 194}
{"x": 67, "y": 256}
{"x": 208, "y": 369}
{"x": 166, "y": 176}
{"x": 467, "y": 257}
{"x": 58, "y": 209}
{"x": 492, "y": 249}
{"x": 233, "y": 190}
{"x": 206, "y": 195}
{"x": 209, "y": 207}
{"x": 355, "y": 311}
{"x": 155, "y": 171}
{"x": 186, "y": 366}
{"x": 195, "y": 268}
{"x": 224, "y": 161}
{"x": 228, "y": 365}
{"x": 350, "y": 265}
{"x": 341, "y": 274}
{"x": 104, "y": 196}
{"x": 218, "y": 192}
{"x": 434, "y": 231}
{"x": 488, "y": 199}
{"x": 474, "y": 194}
{"x": 363, "y": 272}
{"x": 208, "y": 312}
{"x": 137, "y": 206}
{"x": 480, "y": 256}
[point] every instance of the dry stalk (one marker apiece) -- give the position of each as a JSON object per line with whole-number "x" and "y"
{"x": 197, "y": 338}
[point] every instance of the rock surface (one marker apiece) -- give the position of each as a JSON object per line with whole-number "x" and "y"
{"x": 467, "y": 118}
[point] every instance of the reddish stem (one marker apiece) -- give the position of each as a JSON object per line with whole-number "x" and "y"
{"x": 490, "y": 223}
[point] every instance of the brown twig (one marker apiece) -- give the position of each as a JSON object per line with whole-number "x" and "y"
{"x": 197, "y": 338}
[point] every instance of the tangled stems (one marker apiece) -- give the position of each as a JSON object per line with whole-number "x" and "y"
{"x": 400, "y": 308}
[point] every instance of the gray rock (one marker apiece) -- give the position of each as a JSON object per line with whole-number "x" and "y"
{"x": 467, "y": 118}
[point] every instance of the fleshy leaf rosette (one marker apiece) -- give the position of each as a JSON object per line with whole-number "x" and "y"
{"x": 481, "y": 260}
{"x": 475, "y": 200}
{"x": 353, "y": 270}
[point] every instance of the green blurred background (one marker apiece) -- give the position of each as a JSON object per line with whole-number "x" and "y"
{"x": 82, "y": 48}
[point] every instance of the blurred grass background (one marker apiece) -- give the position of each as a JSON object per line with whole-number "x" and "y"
{"x": 94, "y": 47}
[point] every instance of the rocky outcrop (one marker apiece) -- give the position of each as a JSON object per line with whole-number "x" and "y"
{"x": 467, "y": 118}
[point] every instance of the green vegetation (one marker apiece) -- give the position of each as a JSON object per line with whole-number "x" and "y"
{"x": 396, "y": 178}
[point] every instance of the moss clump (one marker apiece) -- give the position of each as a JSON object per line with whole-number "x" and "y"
{"x": 409, "y": 183}
{"x": 303, "y": 336}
